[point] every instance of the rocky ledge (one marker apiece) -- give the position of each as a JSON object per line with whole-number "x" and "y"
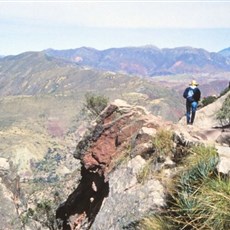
{"x": 113, "y": 152}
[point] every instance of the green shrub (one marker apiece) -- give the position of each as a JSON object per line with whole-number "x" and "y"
{"x": 201, "y": 199}
{"x": 95, "y": 103}
{"x": 208, "y": 100}
{"x": 199, "y": 153}
{"x": 187, "y": 208}
{"x": 224, "y": 113}
{"x": 44, "y": 213}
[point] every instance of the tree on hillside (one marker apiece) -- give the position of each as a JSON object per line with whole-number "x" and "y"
{"x": 95, "y": 103}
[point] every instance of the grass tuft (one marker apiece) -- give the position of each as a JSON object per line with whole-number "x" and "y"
{"x": 163, "y": 142}
{"x": 145, "y": 171}
{"x": 201, "y": 199}
{"x": 163, "y": 145}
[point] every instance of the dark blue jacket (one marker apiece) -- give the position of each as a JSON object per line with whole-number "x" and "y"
{"x": 196, "y": 94}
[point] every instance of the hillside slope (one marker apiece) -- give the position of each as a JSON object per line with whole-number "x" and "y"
{"x": 35, "y": 73}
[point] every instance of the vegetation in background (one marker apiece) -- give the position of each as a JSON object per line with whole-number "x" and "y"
{"x": 95, "y": 103}
{"x": 201, "y": 199}
{"x": 208, "y": 100}
{"x": 224, "y": 113}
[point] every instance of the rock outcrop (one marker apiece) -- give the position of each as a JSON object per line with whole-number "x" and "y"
{"x": 113, "y": 153}
{"x": 120, "y": 134}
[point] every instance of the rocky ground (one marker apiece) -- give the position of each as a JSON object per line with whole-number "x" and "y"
{"x": 113, "y": 153}
{"x": 207, "y": 129}
{"x": 104, "y": 186}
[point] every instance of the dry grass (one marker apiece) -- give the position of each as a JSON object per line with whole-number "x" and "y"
{"x": 163, "y": 143}
{"x": 201, "y": 199}
{"x": 145, "y": 171}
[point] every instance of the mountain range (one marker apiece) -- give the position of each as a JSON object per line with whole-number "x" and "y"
{"x": 124, "y": 73}
{"x": 147, "y": 60}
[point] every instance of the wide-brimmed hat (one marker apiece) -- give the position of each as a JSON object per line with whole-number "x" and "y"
{"x": 193, "y": 83}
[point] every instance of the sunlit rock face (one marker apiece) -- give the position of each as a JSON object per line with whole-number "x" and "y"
{"x": 113, "y": 152}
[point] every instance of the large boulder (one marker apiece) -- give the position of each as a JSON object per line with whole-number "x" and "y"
{"x": 113, "y": 152}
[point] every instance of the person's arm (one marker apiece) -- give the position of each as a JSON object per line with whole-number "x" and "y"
{"x": 185, "y": 93}
{"x": 197, "y": 94}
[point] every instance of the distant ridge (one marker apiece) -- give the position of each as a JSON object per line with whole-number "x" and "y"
{"x": 147, "y": 60}
{"x": 225, "y": 52}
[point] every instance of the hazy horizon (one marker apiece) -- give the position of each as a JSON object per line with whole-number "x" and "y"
{"x": 39, "y": 25}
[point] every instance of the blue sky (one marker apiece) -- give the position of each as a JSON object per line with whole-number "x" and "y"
{"x": 38, "y": 25}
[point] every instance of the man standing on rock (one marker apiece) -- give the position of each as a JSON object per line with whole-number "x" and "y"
{"x": 192, "y": 95}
